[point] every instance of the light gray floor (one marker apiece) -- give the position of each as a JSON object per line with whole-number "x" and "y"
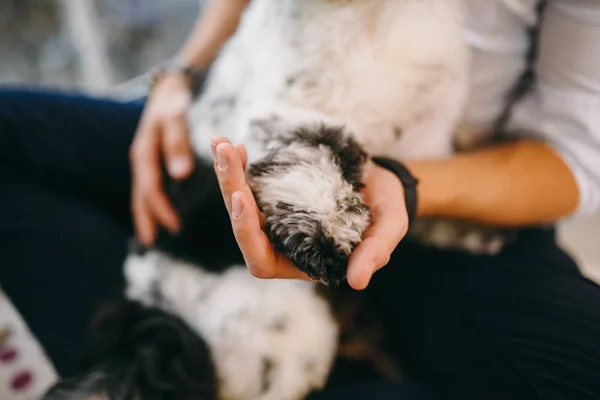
{"x": 581, "y": 237}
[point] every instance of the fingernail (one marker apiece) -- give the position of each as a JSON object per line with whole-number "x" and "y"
{"x": 236, "y": 206}
{"x": 179, "y": 166}
{"x": 222, "y": 160}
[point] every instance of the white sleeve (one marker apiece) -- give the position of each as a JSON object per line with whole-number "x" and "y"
{"x": 563, "y": 108}
{"x": 498, "y": 34}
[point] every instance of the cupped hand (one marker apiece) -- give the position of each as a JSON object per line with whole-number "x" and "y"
{"x": 383, "y": 192}
{"x": 246, "y": 220}
{"x": 162, "y": 136}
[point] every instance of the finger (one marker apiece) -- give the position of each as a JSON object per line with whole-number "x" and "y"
{"x": 148, "y": 181}
{"x": 146, "y": 142}
{"x": 380, "y": 240}
{"x": 217, "y": 140}
{"x": 158, "y": 203}
{"x": 145, "y": 227}
{"x": 389, "y": 227}
{"x": 243, "y": 154}
{"x": 261, "y": 258}
{"x": 176, "y": 147}
{"x": 146, "y": 139}
{"x": 230, "y": 172}
{"x": 362, "y": 264}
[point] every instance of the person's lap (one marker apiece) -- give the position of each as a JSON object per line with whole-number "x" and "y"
{"x": 60, "y": 258}
{"x": 521, "y": 325}
{"x": 64, "y": 209}
{"x": 72, "y": 144}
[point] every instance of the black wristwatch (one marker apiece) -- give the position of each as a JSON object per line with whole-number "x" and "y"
{"x": 196, "y": 76}
{"x": 409, "y": 182}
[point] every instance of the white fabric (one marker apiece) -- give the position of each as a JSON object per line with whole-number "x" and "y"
{"x": 29, "y": 357}
{"x": 563, "y": 109}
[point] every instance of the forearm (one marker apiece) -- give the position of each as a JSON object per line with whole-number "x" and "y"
{"x": 214, "y": 27}
{"x": 515, "y": 184}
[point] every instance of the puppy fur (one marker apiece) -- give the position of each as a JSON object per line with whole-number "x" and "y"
{"x": 135, "y": 352}
{"x": 309, "y": 189}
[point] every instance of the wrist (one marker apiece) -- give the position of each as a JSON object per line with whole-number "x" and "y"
{"x": 171, "y": 86}
{"x": 199, "y": 60}
{"x": 177, "y": 73}
{"x": 438, "y": 188}
{"x": 408, "y": 181}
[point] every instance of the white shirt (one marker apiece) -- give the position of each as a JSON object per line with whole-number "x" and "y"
{"x": 563, "y": 108}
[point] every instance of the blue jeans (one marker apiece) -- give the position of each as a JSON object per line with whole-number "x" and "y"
{"x": 521, "y": 325}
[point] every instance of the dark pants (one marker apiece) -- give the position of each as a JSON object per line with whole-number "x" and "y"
{"x": 521, "y": 325}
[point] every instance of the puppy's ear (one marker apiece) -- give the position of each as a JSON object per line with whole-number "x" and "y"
{"x": 141, "y": 353}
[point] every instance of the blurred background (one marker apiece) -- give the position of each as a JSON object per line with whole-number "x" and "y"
{"x": 89, "y": 44}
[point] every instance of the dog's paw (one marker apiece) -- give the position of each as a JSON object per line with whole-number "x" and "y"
{"x": 309, "y": 190}
{"x": 319, "y": 244}
{"x": 461, "y": 236}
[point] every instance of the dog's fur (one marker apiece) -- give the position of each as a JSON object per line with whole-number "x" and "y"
{"x": 311, "y": 87}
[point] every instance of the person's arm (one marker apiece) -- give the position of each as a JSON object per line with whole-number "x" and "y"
{"x": 214, "y": 26}
{"x": 517, "y": 184}
{"x": 553, "y": 170}
{"x": 162, "y": 132}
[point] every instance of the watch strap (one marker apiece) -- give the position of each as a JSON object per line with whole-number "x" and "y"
{"x": 409, "y": 182}
{"x": 196, "y": 76}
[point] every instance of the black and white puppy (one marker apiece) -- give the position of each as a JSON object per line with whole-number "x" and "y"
{"x": 311, "y": 87}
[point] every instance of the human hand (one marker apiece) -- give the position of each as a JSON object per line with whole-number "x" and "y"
{"x": 246, "y": 220}
{"x": 383, "y": 193}
{"x": 161, "y": 136}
